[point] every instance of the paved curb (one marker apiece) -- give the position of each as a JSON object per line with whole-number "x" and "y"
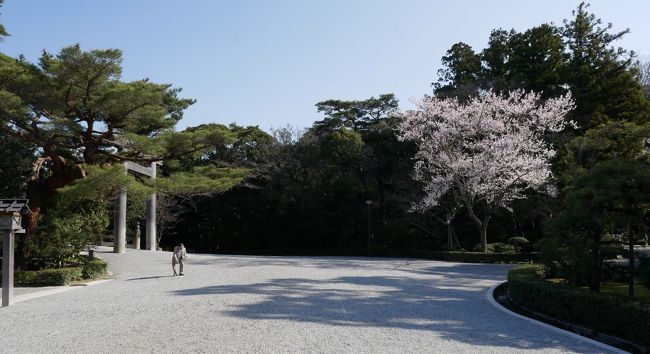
{"x": 491, "y": 300}
{"x": 57, "y": 290}
{"x": 94, "y": 282}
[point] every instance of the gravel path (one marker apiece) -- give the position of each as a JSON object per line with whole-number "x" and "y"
{"x": 244, "y": 304}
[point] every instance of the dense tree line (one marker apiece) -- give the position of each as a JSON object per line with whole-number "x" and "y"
{"x": 309, "y": 190}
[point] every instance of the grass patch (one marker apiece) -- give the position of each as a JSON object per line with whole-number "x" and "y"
{"x": 641, "y": 292}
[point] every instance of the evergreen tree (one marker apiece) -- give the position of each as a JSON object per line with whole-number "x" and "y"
{"x": 599, "y": 75}
{"x": 460, "y": 76}
{"x": 15, "y": 166}
{"x": 76, "y": 111}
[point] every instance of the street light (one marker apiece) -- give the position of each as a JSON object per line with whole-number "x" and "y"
{"x": 369, "y": 203}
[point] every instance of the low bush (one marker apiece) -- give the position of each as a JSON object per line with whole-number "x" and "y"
{"x": 520, "y": 243}
{"x": 93, "y": 268}
{"x": 465, "y": 257}
{"x": 600, "y": 312}
{"x": 497, "y": 247}
{"x": 47, "y": 277}
{"x": 87, "y": 269}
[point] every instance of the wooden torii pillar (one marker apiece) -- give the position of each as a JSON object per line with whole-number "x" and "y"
{"x": 119, "y": 245}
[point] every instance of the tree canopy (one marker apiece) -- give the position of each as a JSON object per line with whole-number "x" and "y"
{"x": 487, "y": 151}
{"x": 76, "y": 112}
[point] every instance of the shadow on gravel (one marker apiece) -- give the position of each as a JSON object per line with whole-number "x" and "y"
{"x": 449, "y": 306}
{"x": 148, "y": 278}
{"x": 481, "y": 271}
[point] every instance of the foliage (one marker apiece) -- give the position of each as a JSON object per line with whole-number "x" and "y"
{"x": 610, "y": 141}
{"x": 488, "y": 152}
{"x": 600, "y": 312}
{"x": 643, "y": 76}
{"x": 78, "y": 214}
{"x": 462, "y": 256}
{"x": 461, "y": 73}
{"x": 531, "y": 60}
{"x": 611, "y": 199}
{"x": 500, "y": 247}
{"x": 354, "y": 115}
{"x": 579, "y": 56}
{"x": 94, "y": 268}
{"x": 308, "y": 191}
{"x": 15, "y": 166}
{"x": 599, "y": 75}
{"x": 520, "y": 243}
{"x": 82, "y": 120}
{"x": 47, "y": 277}
{"x": 66, "y": 230}
{"x": 87, "y": 269}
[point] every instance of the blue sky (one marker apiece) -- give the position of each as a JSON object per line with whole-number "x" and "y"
{"x": 268, "y": 62}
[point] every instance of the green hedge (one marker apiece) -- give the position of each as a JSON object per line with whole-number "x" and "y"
{"x": 467, "y": 257}
{"x": 94, "y": 268}
{"x": 88, "y": 269}
{"x": 600, "y": 312}
{"x": 47, "y": 277}
{"x": 450, "y": 256}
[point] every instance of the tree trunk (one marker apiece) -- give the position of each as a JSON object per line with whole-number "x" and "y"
{"x": 481, "y": 224}
{"x": 594, "y": 279}
{"x": 630, "y": 288}
{"x": 484, "y": 227}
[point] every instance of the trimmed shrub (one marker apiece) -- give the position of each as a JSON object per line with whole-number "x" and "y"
{"x": 600, "y": 312}
{"x": 449, "y": 256}
{"x": 47, "y": 277}
{"x": 93, "y": 268}
{"x": 500, "y": 247}
{"x": 520, "y": 243}
{"x": 465, "y": 257}
{"x": 497, "y": 247}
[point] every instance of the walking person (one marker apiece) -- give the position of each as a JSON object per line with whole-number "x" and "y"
{"x": 179, "y": 255}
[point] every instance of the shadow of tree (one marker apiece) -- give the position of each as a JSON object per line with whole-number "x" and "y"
{"x": 450, "y": 304}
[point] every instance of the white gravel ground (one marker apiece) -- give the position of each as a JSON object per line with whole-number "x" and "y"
{"x": 244, "y": 304}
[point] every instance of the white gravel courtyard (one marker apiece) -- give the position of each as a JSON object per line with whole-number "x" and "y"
{"x": 246, "y": 304}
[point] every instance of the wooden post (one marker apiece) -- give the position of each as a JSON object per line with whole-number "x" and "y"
{"x": 7, "y": 267}
{"x": 630, "y": 287}
{"x": 120, "y": 240}
{"x": 136, "y": 237}
{"x": 151, "y": 215}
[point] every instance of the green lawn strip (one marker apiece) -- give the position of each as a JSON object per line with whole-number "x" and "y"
{"x": 641, "y": 292}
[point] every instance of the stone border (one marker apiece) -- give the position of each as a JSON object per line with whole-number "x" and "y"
{"x": 491, "y": 300}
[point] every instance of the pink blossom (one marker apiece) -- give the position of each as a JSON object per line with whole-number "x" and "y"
{"x": 489, "y": 150}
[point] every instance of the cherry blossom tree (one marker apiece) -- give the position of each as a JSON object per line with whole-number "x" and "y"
{"x": 487, "y": 151}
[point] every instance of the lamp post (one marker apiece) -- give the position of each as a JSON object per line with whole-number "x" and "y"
{"x": 369, "y": 203}
{"x": 450, "y": 241}
{"x": 11, "y": 211}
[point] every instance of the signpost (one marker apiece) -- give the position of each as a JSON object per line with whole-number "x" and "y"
{"x": 10, "y": 220}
